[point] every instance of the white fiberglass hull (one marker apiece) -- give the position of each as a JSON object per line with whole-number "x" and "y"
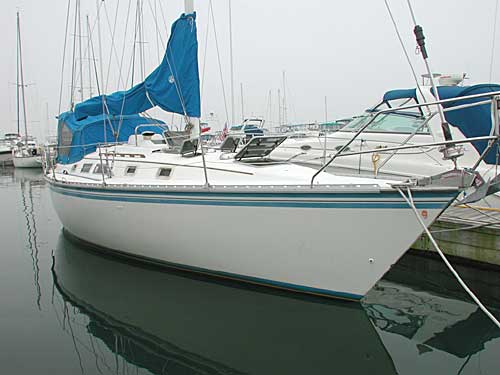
{"x": 27, "y": 161}
{"x": 5, "y": 156}
{"x": 337, "y": 244}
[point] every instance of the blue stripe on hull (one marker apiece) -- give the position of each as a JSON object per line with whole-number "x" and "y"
{"x": 227, "y": 275}
{"x": 185, "y": 199}
{"x": 386, "y": 194}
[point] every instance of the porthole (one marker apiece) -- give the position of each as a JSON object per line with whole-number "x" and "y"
{"x": 130, "y": 170}
{"x": 86, "y": 168}
{"x": 98, "y": 169}
{"x": 164, "y": 172}
{"x": 73, "y": 168}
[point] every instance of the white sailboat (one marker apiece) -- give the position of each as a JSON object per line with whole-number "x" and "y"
{"x": 25, "y": 153}
{"x": 157, "y": 196}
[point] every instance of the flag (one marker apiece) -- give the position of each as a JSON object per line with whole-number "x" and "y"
{"x": 224, "y": 132}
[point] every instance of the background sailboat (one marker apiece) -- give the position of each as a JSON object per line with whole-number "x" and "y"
{"x": 25, "y": 154}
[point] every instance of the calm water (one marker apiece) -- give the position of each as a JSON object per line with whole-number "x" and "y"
{"x": 64, "y": 309}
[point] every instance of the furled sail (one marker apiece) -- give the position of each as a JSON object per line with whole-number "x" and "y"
{"x": 174, "y": 86}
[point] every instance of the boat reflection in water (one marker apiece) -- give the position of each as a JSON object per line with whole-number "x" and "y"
{"x": 429, "y": 319}
{"x": 31, "y": 180}
{"x": 177, "y": 323}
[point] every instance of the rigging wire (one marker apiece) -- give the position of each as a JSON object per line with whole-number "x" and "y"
{"x": 409, "y": 200}
{"x": 164, "y": 20}
{"x": 141, "y": 39}
{"x": 155, "y": 16}
{"x": 113, "y": 46}
{"x": 157, "y": 29}
{"x": 404, "y": 48}
{"x": 135, "y": 39}
{"x": 205, "y": 53}
{"x": 124, "y": 44}
{"x": 219, "y": 60}
{"x": 73, "y": 60}
{"x": 493, "y": 41}
{"x": 64, "y": 56}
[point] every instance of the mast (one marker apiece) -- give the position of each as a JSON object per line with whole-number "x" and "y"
{"x": 279, "y": 108}
{"x": 196, "y": 125}
{"x": 326, "y": 110}
{"x": 101, "y": 75}
{"x": 22, "y": 76}
{"x": 231, "y": 61}
{"x": 285, "y": 120}
{"x": 188, "y": 6}
{"x": 80, "y": 48}
{"x": 90, "y": 58}
{"x": 17, "y": 80}
{"x": 242, "y": 107}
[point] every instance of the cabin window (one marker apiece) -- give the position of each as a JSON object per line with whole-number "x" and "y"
{"x": 130, "y": 170}
{"x": 86, "y": 168}
{"x": 98, "y": 169}
{"x": 65, "y": 139}
{"x": 390, "y": 123}
{"x": 164, "y": 172}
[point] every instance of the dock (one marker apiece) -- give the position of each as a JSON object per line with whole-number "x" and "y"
{"x": 470, "y": 233}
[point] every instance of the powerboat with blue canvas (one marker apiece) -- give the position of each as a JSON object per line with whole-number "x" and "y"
{"x": 417, "y": 126}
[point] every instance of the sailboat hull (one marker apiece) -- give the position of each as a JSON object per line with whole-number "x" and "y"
{"x": 27, "y": 162}
{"x": 330, "y": 244}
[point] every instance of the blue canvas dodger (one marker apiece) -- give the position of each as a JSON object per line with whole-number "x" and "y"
{"x": 79, "y": 138}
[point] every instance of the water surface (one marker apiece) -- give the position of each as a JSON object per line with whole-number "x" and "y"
{"x": 68, "y": 309}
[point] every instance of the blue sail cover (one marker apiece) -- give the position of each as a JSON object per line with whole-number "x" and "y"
{"x": 79, "y": 138}
{"x": 174, "y": 86}
{"x": 473, "y": 121}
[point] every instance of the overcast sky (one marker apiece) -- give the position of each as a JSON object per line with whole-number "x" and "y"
{"x": 344, "y": 50}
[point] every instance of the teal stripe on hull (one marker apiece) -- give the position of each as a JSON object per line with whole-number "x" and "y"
{"x": 183, "y": 200}
{"x": 281, "y": 194}
{"x": 224, "y": 275}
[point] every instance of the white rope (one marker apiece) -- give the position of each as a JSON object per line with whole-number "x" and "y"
{"x": 411, "y": 203}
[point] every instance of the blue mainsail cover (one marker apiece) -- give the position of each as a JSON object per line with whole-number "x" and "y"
{"x": 174, "y": 86}
{"x": 79, "y": 138}
{"x": 473, "y": 121}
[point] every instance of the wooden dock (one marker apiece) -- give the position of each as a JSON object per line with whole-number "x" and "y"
{"x": 468, "y": 232}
